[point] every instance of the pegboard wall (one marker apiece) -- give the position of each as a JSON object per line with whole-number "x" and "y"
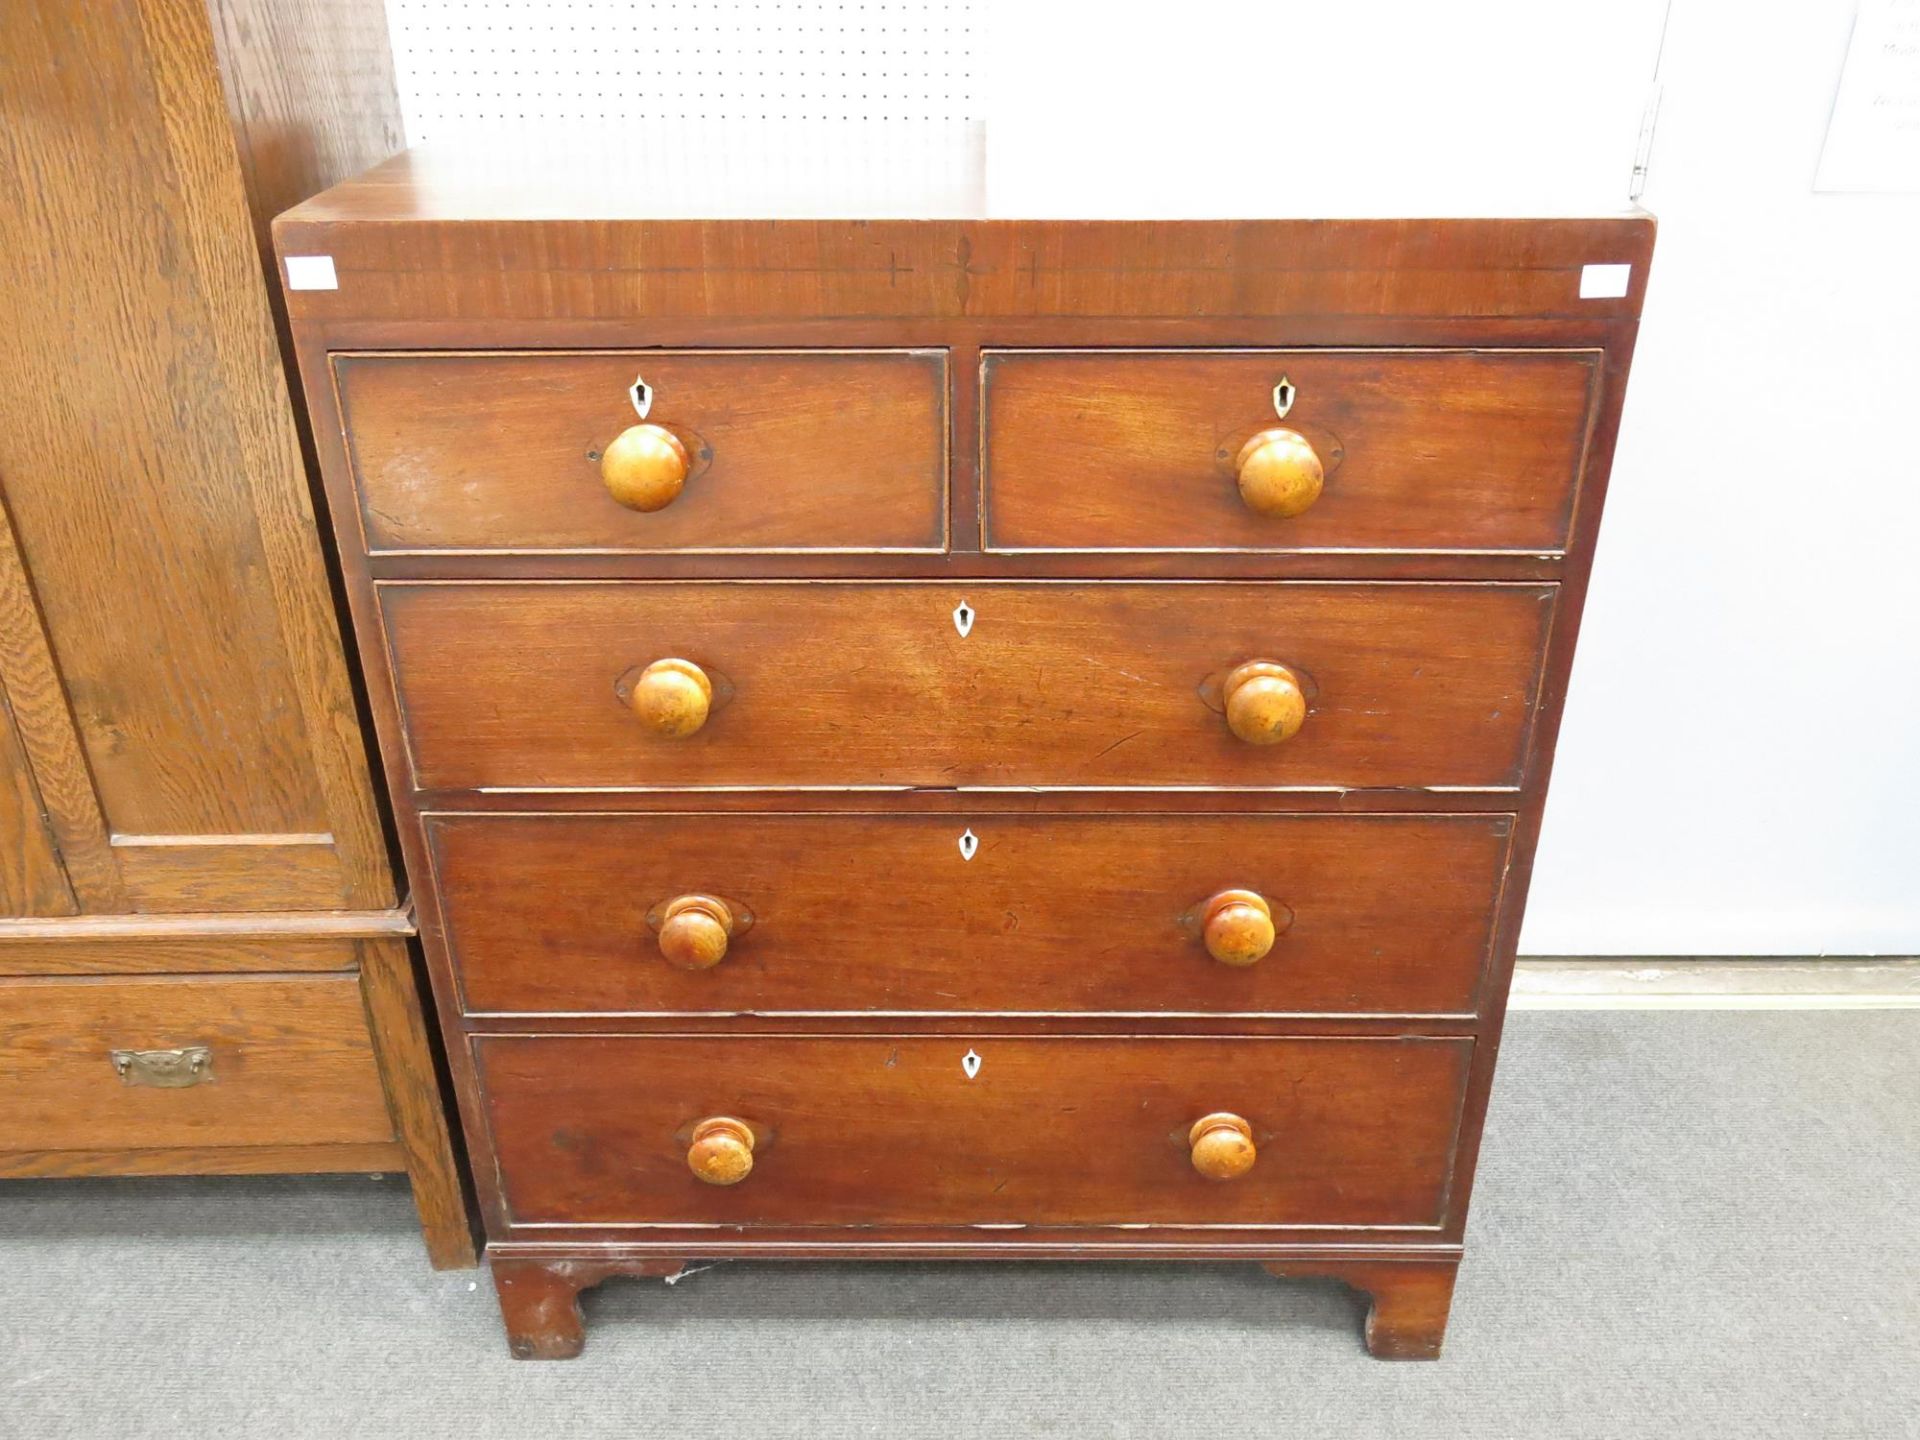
{"x": 467, "y": 66}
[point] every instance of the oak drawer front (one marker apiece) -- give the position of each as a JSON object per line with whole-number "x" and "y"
{"x": 1051, "y": 913}
{"x": 288, "y": 1062}
{"x": 863, "y": 684}
{"x": 1056, "y": 1131}
{"x": 788, "y": 450}
{"x": 1420, "y": 450}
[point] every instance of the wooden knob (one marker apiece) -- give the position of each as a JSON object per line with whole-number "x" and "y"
{"x": 1265, "y": 702}
{"x": 645, "y": 467}
{"x": 1279, "y": 473}
{"x": 1222, "y": 1146}
{"x": 722, "y": 1150}
{"x": 694, "y": 931}
{"x": 1238, "y": 927}
{"x": 672, "y": 698}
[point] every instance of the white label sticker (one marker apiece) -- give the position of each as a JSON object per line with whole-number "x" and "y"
{"x": 1605, "y": 282}
{"x": 311, "y": 272}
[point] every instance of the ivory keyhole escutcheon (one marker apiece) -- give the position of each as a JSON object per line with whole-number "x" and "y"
{"x": 963, "y": 617}
{"x": 970, "y": 1063}
{"x": 969, "y": 844}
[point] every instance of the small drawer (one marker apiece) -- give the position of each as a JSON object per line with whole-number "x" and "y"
{"x": 1184, "y": 450}
{"x": 776, "y": 450}
{"x": 878, "y": 1130}
{"x": 187, "y": 1063}
{"x": 776, "y": 684}
{"x": 880, "y": 913}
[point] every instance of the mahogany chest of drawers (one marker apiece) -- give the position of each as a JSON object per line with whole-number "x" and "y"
{"x": 963, "y": 738}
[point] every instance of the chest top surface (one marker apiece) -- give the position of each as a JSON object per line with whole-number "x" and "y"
{"x": 562, "y": 232}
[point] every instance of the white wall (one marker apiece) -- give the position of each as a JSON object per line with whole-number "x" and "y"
{"x": 1740, "y": 771}
{"x": 1740, "y": 767}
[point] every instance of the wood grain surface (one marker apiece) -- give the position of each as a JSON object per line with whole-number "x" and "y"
{"x": 358, "y": 1157}
{"x": 853, "y": 684}
{"x": 1134, "y": 450}
{"x": 32, "y": 880}
{"x": 55, "y": 789}
{"x": 191, "y": 844}
{"x": 152, "y": 469}
{"x": 812, "y": 450}
{"x": 873, "y": 1129}
{"x": 311, "y": 95}
{"x": 584, "y": 244}
{"x": 74, "y": 953}
{"x": 292, "y": 1063}
{"x": 880, "y": 912}
{"x": 391, "y": 984}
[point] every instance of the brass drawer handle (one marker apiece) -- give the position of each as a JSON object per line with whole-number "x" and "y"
{"x": 164, "y": 1069}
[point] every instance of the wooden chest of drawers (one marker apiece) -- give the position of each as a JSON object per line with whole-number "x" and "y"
{"x": 964, "y": 738}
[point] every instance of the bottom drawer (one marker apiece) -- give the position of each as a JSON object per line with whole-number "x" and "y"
{"x": 288, "y": 1062}
{"x": 596, "y": 1130}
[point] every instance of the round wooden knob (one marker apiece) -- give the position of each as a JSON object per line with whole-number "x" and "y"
{"x": 645, "y": 467}
{"x": 1279, "y": 473}
{"x": 672, "y": 698}
{"x": 1238, "y": 928}
{"x": 694, "y": 931}
{"x": 1222, "y": 1146}
{"x": 1265, "y": 702}
{"x": 722, "y": 1151}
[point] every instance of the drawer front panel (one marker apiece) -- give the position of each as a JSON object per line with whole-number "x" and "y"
{"x": 1137, "y": 450}
{"x": 823, "y": 450}
{"x": 845, "y": 683}
{"x": 289, "y": 1063}
{"x": 1058, "y": 1131}
{"x": 1052, "y": 913}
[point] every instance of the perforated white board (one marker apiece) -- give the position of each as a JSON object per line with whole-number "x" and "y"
{"x": 467, "y": 66}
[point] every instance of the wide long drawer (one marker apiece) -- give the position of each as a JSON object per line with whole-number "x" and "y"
{"x": 1422, "y": 450}
{"x": 150, "y": 1063}
{"x": 1010, "y": 913}
{"x": 781, "y": 450}
{"x": 839, "y": 683}
{"x": 602, "y": 1130}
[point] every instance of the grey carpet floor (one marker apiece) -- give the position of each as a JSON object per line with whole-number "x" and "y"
{"x": 1687, "y": 1225}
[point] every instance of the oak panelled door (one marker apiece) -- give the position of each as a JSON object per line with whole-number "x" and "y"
{"x": 189, "y": 841}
